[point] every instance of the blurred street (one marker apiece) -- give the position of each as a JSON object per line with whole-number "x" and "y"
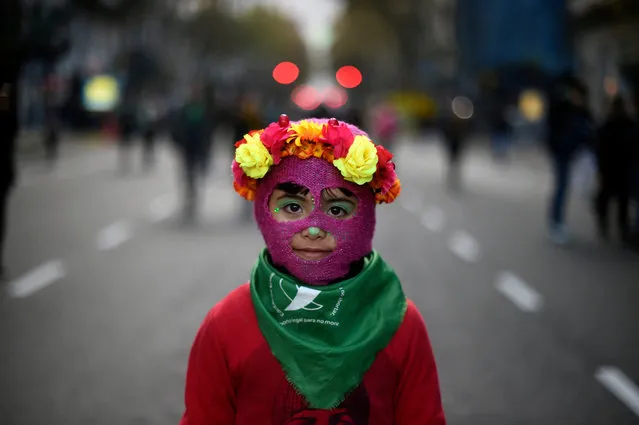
{"x": 107, "y": 289}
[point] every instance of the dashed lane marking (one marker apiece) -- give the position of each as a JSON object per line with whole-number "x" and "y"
{"x": 37, "y": 279}
{"x": 519, "y": 292}
{"x": 620, "y": 385}
{"x": 114, "y": 235}
{"x": 464, "y": 246}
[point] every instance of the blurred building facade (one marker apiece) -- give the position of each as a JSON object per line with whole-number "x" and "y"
{"x": 139, "y": 44}
{"x": 440, "y": 54}
{"x": 494, "y": 34}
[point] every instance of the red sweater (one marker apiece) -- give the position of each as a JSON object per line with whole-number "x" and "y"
{"x": 233, "y": 379}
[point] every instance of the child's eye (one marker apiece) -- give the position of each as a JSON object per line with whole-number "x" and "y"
{"x": 340, "y": 211}
{"x": 293, "y": 208}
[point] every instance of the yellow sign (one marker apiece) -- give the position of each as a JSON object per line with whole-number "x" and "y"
{"x": 414, "y": 103}
{"x": 531, "y": 105}
{"x": 101, "y": 93}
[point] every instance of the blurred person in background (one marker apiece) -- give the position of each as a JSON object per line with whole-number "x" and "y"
{"x": 127, "y": 124}
{"x": 635, "y": 174}
{"x": 246, "y": 118}
{"x": 52, "y": 121}
{"x": 191, "y": 130}
{"x": 614, "y": 151}
{"x": 321, "y": 112}
{"x": 10, "y": 64}
{"x": 501, "y": 133}
{"x": 455, "y": 131}
{"x": 385, "y": 125}
{"x": 355, "y": 116}
{"x": 149, "y": 122}
{"x": 572, "y": 130}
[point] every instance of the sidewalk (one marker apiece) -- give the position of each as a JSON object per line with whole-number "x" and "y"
{"x": 29, "y": 143}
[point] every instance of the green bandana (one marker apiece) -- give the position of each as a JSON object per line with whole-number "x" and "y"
{"x": 326, "y": 338}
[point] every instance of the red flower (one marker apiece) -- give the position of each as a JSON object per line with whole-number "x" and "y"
{"x": 338, "y": 136}
{"x": 274, "y": 138}
{"x": 383, "y": 157}
{"x": 240, "y": 143}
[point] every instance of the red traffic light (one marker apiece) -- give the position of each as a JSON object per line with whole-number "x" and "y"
{"x": 286, "y": 72}
{"x": 349, "y": 77}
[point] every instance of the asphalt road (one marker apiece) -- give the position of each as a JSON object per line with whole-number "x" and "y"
{"x": 108, "y": 290}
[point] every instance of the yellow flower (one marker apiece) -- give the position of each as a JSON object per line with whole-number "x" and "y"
{"x": 253, "y": 157}
{"x": 360, "y": 163}
{"x": 306, "y": 130}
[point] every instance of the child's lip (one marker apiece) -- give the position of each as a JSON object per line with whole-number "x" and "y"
{"x": 311, "y": 253}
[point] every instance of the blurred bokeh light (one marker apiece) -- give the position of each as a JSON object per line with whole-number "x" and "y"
{"x": 286, "y": 73}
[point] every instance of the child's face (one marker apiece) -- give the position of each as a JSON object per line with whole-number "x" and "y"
{"x": 312, "y": 229}
{"x": 290, "y": 202}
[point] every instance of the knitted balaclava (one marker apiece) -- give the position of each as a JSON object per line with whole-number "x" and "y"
{"x": 354, "y": 235}
{"x": 289, "y": 162}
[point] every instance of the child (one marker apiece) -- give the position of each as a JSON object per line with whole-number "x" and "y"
{"x": 323, "y": 333}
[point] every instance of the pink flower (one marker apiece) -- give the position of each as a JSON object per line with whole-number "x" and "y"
{"x": 338, "y": 136}
{"x": 274, "y": 138}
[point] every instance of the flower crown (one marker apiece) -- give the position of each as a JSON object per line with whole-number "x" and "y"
{"x": 357, "y": 158}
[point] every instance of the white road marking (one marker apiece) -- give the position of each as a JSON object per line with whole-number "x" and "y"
{"x": 113, "y": 235}
{"x": 37, "y": 279}
{"x": 161, "y": 208}
{"x": 620, "y": 385}
{"x": 464, "y": 246}
{"x": 520, "y": 293}
{"x": 433, "y": 219}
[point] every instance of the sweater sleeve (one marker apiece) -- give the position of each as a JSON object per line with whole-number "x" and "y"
{"x": 418, "y": 398}
{"x": 209, "y": 394}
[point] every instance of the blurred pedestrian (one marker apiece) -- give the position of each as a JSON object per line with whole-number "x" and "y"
{"x": 52, "y": 121}
{"x": 127, "y": 124}
{"x": 191, "y": 130}
{"x": 635, "y": 174}
{"x": 247, "y": 118}
{"x": 455, "y": 132}
{"x": 386, "y": 125}
{"x": 149, "y": 124}
{"x": 501, "y": 133}
{"x": 615, "y": 159}
{"x": 323, "y": 333}
{"x": 10, "y": 64}
{"x": 354, "y": 115}
{"x": 572, "y": 132}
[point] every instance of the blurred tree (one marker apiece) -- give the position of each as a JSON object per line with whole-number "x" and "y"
{"x": 260, "y": 38}
{"x": 364, "y": 39}
{"x": 403, "y": 18}
{"x": 111, "y": 9}
{"x": 270, "y": 37}
{"x": 215, "y": 31}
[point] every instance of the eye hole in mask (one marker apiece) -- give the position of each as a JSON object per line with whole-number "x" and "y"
{"x": 290, "y": 202}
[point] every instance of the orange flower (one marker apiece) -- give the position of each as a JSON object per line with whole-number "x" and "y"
{"x": 318, "y": 150}
{"x": 328, "y": 155}
{"x": 391, "y": 195}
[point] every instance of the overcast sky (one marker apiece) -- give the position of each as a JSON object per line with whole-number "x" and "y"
{"x": 315, "y": 18}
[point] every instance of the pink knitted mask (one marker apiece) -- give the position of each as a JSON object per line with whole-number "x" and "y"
{"x": 354, "y": 235}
